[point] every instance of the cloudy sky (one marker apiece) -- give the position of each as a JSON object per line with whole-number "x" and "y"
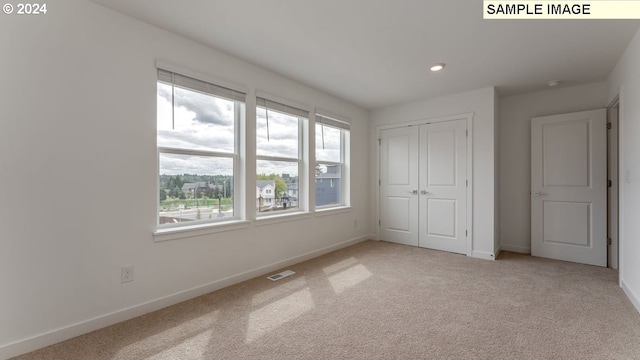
{"x": 204, "y": 122}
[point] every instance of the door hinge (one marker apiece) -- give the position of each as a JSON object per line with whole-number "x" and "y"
{"x": 379, "y": 182}
{"x": 379, "y": 223}
{"x": 609, "y": 126}
{"x": 608, "y": 241}
{"x": 379, "y": 141}
{"x": 466, "y": 133}
{"x": 466, "y": 233}
{"x": 467, "y": 181}
{"x": 609, "y": 183}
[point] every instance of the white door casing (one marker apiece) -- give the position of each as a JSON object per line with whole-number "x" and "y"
{"x": 423, "y": 192}
{"x": 569, "y": 187}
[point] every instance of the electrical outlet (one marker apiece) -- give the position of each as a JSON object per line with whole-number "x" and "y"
{"x": 126, "y": 274}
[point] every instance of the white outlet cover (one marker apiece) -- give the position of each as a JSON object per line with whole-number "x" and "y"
{"x": 126, "y": 274}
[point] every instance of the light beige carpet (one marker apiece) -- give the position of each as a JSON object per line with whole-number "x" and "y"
{"x": 378, "y": 300}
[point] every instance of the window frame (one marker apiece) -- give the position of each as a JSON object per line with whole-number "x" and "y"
{"x": 267, "y": 103}
{"x": 207, "y": 87}
{"x": 344, "y": 166}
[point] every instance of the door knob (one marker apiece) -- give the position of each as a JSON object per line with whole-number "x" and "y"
{"x": 537, "y": 194}
{"x": 414, "y": 192}
{"x": 424, "y": 192}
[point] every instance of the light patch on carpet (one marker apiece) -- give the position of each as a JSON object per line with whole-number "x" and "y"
{"x": 349, "y": 278}
{"x": 278, "y": 291}
{"x": 340, "y": 265}
{"x": 186, "y": 332}
{"x": 276, "y": 314}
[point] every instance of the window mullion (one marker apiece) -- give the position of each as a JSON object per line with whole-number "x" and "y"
{"x": 276, "y": 158}
{"x": 178, "y": 151}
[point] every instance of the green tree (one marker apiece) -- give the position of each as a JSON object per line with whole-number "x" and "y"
{"x": 163, "y": 195}
{"x": 227, "y": 187}
{"x": 281, "y": 186}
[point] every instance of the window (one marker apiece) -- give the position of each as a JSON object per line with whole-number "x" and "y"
{"x": 197, "y": 140}
{"x": 332, "y": 146}
{"x": 279, "y": 149}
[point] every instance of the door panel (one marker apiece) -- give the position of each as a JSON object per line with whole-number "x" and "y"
{"x": 441, "y": 217}
{"x": 568, "y": 187}
{"x": 441, "y": 161}
{"x": 443, "y": 192}
{"x": 567, "y": 223}
{"x": 399, "y": 213}
{"x": 398, "y": 180}
{"x": 566, "y": 153}
{"x": 399, "y": 170}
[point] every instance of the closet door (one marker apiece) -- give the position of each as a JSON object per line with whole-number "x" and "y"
{"x": 443, "y": 186}
{"x": 399, "y": 185}
{"x": 423, "y": 185}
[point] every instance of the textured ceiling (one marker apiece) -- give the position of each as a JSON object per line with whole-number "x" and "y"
{"x": 376, "y": 53}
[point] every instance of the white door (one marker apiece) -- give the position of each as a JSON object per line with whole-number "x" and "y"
{"x": 399, "y": 185}
{"x": 443, "y": 191}
{"x": 569, "y": 187}
{"x": 423, "y": 185}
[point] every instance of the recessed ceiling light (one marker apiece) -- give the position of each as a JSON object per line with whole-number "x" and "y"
{"x": 553, "y": 83}
{"x": 437, "y": 67}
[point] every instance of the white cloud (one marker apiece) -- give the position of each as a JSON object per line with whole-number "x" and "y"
{"x": 174, "y": 164}
{"x": 281, "y": 136}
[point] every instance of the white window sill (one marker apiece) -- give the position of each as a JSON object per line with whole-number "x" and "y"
{"x": 181, "y": 232}
{"x": 332, "y": 210}
{"x": 280, "y": 218}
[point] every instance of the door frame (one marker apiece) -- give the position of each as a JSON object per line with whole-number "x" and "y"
{"x": 613, "y": 174}
{"x": 468, "y": 117}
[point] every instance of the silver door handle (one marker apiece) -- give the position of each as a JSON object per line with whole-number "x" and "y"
{"x": 537, "y": 194}
{"x": 424, "y": 192}
{"x": 414, "y": 192}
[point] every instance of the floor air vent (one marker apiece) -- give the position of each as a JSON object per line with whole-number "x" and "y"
{"x": 281, "y": 275}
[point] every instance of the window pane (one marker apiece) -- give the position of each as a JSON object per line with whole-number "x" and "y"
{"x": 195, "y": 188}
{"x": 278, "y": 137}
{"x": 328, "y": 145}
{"x": 328, "y": 185}
{"x": 276, "y": 185}
{"x": 198, "y": 121}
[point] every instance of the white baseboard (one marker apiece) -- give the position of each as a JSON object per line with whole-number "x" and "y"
{"x": 497, "y": 251}
{"x": 516, "y": 248}
{"x": 635, "y": 299}
{"x": 483, "y": 255}
{"x": 67, "y": 332}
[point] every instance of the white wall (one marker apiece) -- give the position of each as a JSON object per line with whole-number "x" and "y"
{"x": 482, "y": 104}
{"x": 625, "y": 80}
{"x": 78, "y": 177}
{"x": 515, "y": 152}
